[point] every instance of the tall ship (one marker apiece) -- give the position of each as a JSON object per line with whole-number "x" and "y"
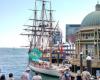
{"x": 41, "y": 35}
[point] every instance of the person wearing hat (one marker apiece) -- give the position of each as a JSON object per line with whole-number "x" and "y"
{"x": 25, "y": 75}
{"x": 66, "y": 75}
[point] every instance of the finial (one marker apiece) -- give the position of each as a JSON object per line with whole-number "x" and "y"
{"x": 97, "y": 6}
{"x": 97, "y": 1}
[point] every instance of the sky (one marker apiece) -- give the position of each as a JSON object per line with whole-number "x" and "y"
{"x": 15, "y": 13}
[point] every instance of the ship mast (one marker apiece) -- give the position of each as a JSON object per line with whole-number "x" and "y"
{"x": 41, "y": 28}
{"x": 35, "y": 17}
{"x": 32, "y": 35}
{"x": 50, "y": 42}
{"x": 43, "y": 22}
{"x": 33, "y": 30}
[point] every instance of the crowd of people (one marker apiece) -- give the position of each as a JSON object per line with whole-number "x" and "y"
{"x": 65, "y": 75}
{"x": 25, "y": 76}
{"x": 84, "y": 75}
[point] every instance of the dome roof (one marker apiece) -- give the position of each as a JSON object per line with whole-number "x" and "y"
{"x": 93, "y": 18}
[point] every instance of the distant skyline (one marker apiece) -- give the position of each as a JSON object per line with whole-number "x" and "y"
{"x": 15, "y": 13}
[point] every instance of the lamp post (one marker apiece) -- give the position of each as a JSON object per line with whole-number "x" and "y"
{"x": 81, "y": 62}
{"x": 89, "y": 61}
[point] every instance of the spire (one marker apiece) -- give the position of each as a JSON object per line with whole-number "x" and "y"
{"x": 97, "y": 2}
{"x": 97, "y": 6}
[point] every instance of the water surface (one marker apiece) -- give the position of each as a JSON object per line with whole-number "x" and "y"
{"x": 14, "y": 60}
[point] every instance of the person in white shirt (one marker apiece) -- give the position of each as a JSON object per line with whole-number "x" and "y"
{"x": 37, "y": 76}
{"x": 25, "y": 75}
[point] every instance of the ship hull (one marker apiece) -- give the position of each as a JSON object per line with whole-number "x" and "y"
{"x": 50, "y": 71}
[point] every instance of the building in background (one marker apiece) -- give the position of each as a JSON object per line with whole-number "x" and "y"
{"x": 57, "y": 37}
{"x": 71, "y": 29}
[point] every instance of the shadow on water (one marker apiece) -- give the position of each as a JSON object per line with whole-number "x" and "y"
{"x": 46, "y": 77}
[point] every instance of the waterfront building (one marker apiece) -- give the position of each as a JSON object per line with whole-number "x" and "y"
{"x": 88, "y": 42}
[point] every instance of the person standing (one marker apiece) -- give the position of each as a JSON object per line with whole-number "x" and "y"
{"x": 10, "y": 76}
{"x": 86, "y": 74}
{"x": 2, "y": 77}
{"x": 37, "y": 76}
{"x": 61, "y": 75}
{"x": 66, "y": 75}
{"x": 98, "y": 77}
{"x": 25, "y": 75}
{"x": 78, "y": 76}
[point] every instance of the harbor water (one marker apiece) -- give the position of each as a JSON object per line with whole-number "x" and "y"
{"x": 14, "y": 60}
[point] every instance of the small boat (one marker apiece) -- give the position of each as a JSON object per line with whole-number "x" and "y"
{"x": 41, "y": 35}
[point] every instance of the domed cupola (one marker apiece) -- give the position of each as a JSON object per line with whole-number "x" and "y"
{"x": 93, "y": 18}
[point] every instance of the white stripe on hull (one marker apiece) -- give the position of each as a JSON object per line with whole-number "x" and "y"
{"x": 52, "y": 72}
